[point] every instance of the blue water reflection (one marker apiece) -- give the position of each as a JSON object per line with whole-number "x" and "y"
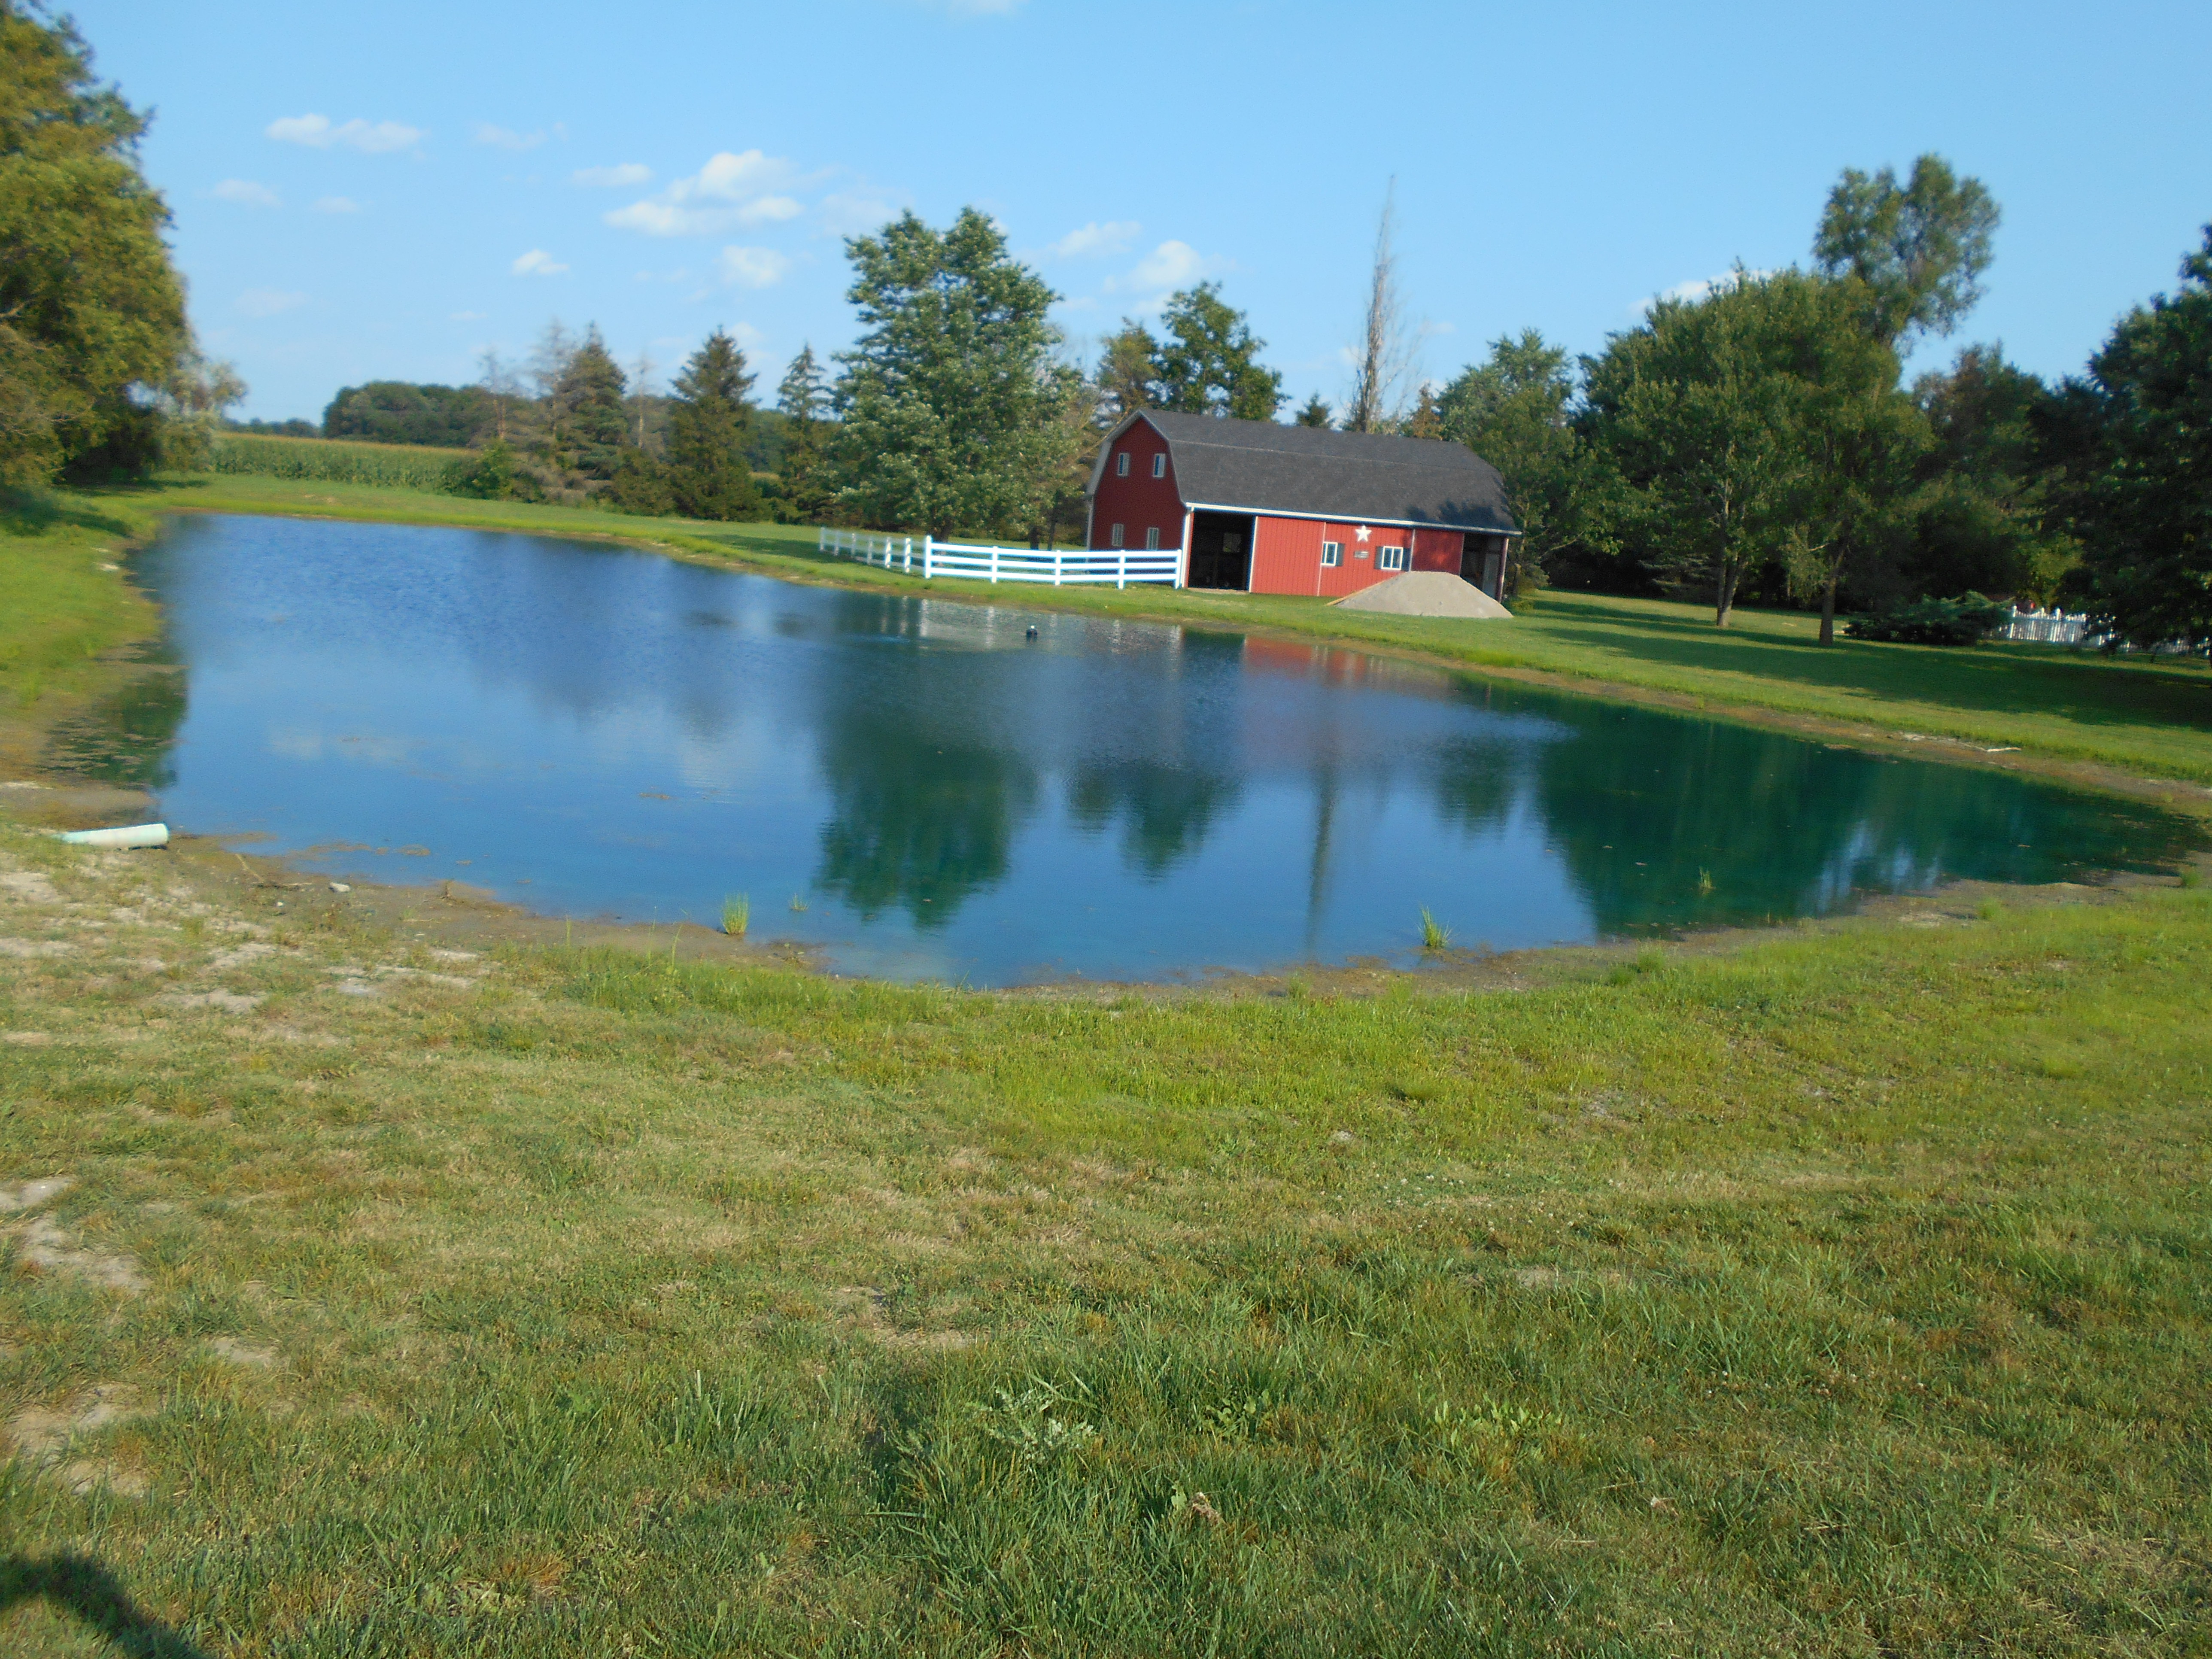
{"x": 597, "y": 732}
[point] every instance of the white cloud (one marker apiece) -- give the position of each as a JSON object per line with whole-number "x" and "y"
{"x": 466, "y": 316}
{"x": 537, "y": 263}
{"x": 268, "y": 302}
{"x": 370, "y": 138}
{"x": 502, "y": 138}
{"x": 751, "y": 267}
{"x": 1096, "y": 239}
{"x": 730, "y": 191}
{"x": 1695, "y": 289}
{"x": 1170, "y": 265}
{"x": 336, "y": 204}
{"x": 613, "y": 178}
{"x": 246, "y": 193}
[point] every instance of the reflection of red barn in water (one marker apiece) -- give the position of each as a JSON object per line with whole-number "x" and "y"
{"x": 1297, "y": 509}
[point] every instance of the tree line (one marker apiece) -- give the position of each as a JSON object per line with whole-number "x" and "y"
{"x": 1753, "y": 442}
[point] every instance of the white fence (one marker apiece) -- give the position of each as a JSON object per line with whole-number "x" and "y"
{"x": 930, "y": 558}
{"x": 2049, "y": 626}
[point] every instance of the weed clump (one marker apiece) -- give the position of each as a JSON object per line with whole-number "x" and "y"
{"x": 737, "y": 914}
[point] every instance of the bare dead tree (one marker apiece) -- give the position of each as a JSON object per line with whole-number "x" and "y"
{"x": 500, "y": 385}
{"x": 1386, "y": 344}
{"x": 639, "y": 376}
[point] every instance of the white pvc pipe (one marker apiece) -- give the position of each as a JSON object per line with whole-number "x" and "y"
{"x": 130, "y": 834}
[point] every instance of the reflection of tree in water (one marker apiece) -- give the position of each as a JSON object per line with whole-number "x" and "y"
{"x": 1645, "y": 809}
{"x": 129, "y": 737}
{"x": 1476, "y": 780}
{"x": 919, "y": 818}
{"x": 1169, "y": 808}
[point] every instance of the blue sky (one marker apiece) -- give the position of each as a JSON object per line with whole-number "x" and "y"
{"x": 383, "y": 192}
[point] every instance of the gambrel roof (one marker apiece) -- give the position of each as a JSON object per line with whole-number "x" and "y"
{"x": 1258, "y": 466}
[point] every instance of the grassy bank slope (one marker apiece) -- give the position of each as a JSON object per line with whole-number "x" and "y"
{"x": 2151, "y": 719}
{"x": 63, "y": 607}
{"x": 1844, "y": 1294}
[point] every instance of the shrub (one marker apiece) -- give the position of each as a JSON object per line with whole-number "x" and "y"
{"x": 1962, "y": 621}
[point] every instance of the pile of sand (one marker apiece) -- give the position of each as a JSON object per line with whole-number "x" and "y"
{"x": 1425, "y": 593}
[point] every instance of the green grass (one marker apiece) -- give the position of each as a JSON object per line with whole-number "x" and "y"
{"x": 1848, "y": 1292}
{"x": 737, "y": 914}
{"x": 2151, "y": 719}
{"x": 63, "y": 607}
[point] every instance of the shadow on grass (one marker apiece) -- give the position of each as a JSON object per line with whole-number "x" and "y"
{"x": 34, "y": 512}
{"x": 2090, "y": 692}
{"x": 82, "y": 1586}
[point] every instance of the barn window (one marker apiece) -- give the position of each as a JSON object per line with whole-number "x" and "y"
{"x": 1390, "y": 558}
{"x": 1116, "y": 540}
{"x": 1332, "y": 555}
{"x": 1121, "y": 464}
{"x": 1152, "y": 536}
{"x": 1160, "y": 465}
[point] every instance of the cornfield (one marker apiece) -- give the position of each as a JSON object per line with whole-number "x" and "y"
{"x": 399, "y": 466}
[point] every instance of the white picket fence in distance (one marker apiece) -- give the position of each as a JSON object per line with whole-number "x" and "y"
{"x": 930, "y": 558}
{"x": 2046, "y": 627}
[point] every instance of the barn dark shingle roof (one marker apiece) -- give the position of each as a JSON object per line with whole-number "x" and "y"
{"x": 1339, "y": 474}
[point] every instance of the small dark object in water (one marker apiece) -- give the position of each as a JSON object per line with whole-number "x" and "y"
{"x": 1032, "y": 630}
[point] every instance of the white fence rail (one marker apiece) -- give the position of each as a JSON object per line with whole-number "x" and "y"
{"x": 929, "y": 558}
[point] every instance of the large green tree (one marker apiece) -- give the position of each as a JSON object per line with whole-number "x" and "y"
{"x": 1516, "y": 411}
{"x": 1724, "y": 429}
{"x": 1919, "y": 247}
{"x": 951, "y": 405}
{"x": 1207, "y": 359}
{"x": 706, "y": 433}
{"x": 90, "y": 306}
{"x": 2135, "y": 443}
{"x": 1979, "y": 522}
{"x": 401, "y": 412}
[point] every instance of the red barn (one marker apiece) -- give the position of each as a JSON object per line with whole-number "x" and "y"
{"x": 1298, "y": 509}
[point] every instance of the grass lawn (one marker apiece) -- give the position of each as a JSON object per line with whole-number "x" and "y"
{"x": 1843, "y": 1290}
{"x": 1848, "y": 1291}
{"x": 2150, "y": 719}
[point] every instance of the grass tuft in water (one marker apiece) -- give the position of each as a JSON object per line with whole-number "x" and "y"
{"x": 1435, "y": 936}
{"x": 798, "y": 902}
{"x": 1705, "y": 882}
{"x": 737, "y": 914}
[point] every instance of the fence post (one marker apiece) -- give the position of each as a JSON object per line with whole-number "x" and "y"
{"x": 994, "y": 564}
{"x": 1121, "y": 568}
{"x": 928, "y": 548}
{"x": 907, "y": 568}
{"x": 1056, "y": 567}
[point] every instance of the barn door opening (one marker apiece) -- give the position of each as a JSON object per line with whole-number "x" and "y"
{"x": 1221, "y": 550}
{"x": 1483, "y": 563}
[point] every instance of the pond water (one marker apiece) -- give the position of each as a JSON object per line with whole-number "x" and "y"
{"x": 593, "y": 731}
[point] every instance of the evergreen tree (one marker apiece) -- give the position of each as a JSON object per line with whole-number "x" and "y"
{"x": 90, "y": 305}
{"x": 1424, "y": 422}
{"x": 802, "y": 399}
{"x": 1317, "y": 413}
{"x": 1208, "y": 361}
{"x": 951, "y": 405}
{"x": 707, "y": 432}
{"x": 589, "y": 423}
{"x": 2136, "y": 442}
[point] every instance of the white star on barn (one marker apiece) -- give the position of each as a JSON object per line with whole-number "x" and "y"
{"x": 1361, "y": 533}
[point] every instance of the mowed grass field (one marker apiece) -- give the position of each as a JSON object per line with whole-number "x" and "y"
{"x": 1841, "y": 1289}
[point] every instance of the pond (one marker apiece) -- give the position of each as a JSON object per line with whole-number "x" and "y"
{"x": 593, "y": 731}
